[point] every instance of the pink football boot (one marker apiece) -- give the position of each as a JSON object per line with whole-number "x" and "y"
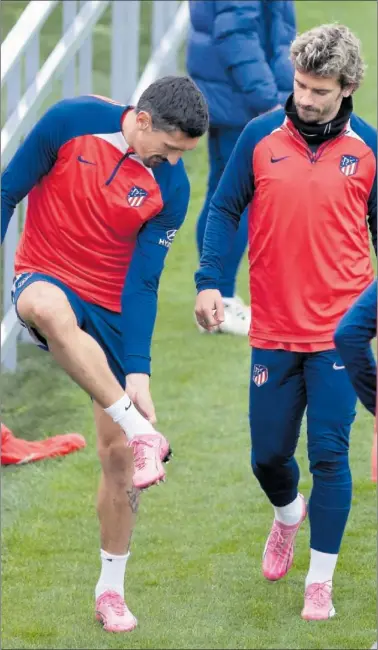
{"x": 279, "y": 548}
{"x": 149, "y": 452}
{"x": 113, "y": 613}
{"x": 318, "y": 602}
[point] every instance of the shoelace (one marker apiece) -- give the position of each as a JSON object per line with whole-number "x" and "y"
{"x": 277, "y": 541}
{"x": 319, "y": 593}
{"x": 116, "y": 602}
{"x": 139, "y": 447}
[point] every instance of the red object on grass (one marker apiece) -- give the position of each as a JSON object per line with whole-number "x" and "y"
{"x": 16, "y": 451}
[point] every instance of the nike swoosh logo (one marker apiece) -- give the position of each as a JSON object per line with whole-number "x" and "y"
{"x": 127, "y": 407}
{"x": 336, "y": 367}
{"x": 87, "y": 162}
{"x": 274, "y": 160}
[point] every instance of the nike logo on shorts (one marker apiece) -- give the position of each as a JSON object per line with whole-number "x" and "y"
{"x": 336, "y": 367}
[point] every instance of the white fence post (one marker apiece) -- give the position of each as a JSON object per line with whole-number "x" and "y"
{"x": 69, "y": 76}
{"x": 172, "y": 62}
{"x": 10, "y": 243}
{"x": 125, "y": 39}
{"x": 32, "y": 60}
{"x": 158, "y": 22}
{"x": 163, "y": 14}
{"x": 85, "y": 64}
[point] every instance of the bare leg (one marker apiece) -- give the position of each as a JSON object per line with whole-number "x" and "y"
{"x": 118, "y": 500}
{"x": 45, "y": 307}
{"x": 116, "y": 506}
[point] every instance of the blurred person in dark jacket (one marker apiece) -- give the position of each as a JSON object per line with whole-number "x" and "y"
{"x": 238, "y": 55}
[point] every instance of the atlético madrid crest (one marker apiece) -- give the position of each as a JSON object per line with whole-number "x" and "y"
{"x": 260, "y": 375}
{"x": 349, "y": 165}
{"x": 136, "y": 196}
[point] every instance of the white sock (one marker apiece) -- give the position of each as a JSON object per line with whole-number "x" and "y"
{"x": 112, "y": 575}
{"x": 322, "y": 567}
{"x": 128, "y": 417}
{"x": 290, "y": 514}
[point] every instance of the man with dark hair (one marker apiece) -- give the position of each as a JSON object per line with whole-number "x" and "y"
{"x": 175, "y": 104}
{"x": 107, "y": 192}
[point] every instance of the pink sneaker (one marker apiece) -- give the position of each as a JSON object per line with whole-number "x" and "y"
{"x": 113, "y": 613}
{"x": 147, "y": 460}
{"x": 165, "y": 448}
{"x": 318, "y": 602}
{"x": 279, "y": 548}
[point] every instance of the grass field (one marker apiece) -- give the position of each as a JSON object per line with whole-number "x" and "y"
{"x": 194, "y": 578}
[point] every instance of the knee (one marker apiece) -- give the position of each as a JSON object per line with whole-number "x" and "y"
{"x": 42, "y": 315}
{"x": 329, "y": 464}
{"x": 117, "y": 461}
{"x": 266, "y": 460}
{"x": 48, "y": 311}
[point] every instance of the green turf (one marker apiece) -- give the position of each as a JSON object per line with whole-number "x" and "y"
{"x": 194, "y": 577}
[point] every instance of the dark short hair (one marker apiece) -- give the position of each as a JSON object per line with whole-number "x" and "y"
{"x": 175, "y": 103}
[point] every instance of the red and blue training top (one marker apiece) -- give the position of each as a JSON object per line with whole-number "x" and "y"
{"x": 98, "y": 219}
{"x": 309, "y": 214}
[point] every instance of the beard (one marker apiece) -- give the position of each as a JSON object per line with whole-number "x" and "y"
{"x": 153, "y": 161}
{"x": 309, "y": 114}
{"x": 309, "y": 117}
{"x": 312, "y": 115}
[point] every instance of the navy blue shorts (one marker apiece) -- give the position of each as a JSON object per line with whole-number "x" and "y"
{"x": 100, "y": 323}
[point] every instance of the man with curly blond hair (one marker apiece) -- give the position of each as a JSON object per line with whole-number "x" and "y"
{"x": 308, "y": 176}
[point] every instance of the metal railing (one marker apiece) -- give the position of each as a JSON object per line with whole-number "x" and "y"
{"x": 71, "y": 63}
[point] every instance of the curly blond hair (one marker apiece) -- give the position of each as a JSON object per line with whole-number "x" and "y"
{"x": 329, "y": 51}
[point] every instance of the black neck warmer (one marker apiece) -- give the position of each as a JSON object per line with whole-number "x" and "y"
{"x": 318, "y": 133}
